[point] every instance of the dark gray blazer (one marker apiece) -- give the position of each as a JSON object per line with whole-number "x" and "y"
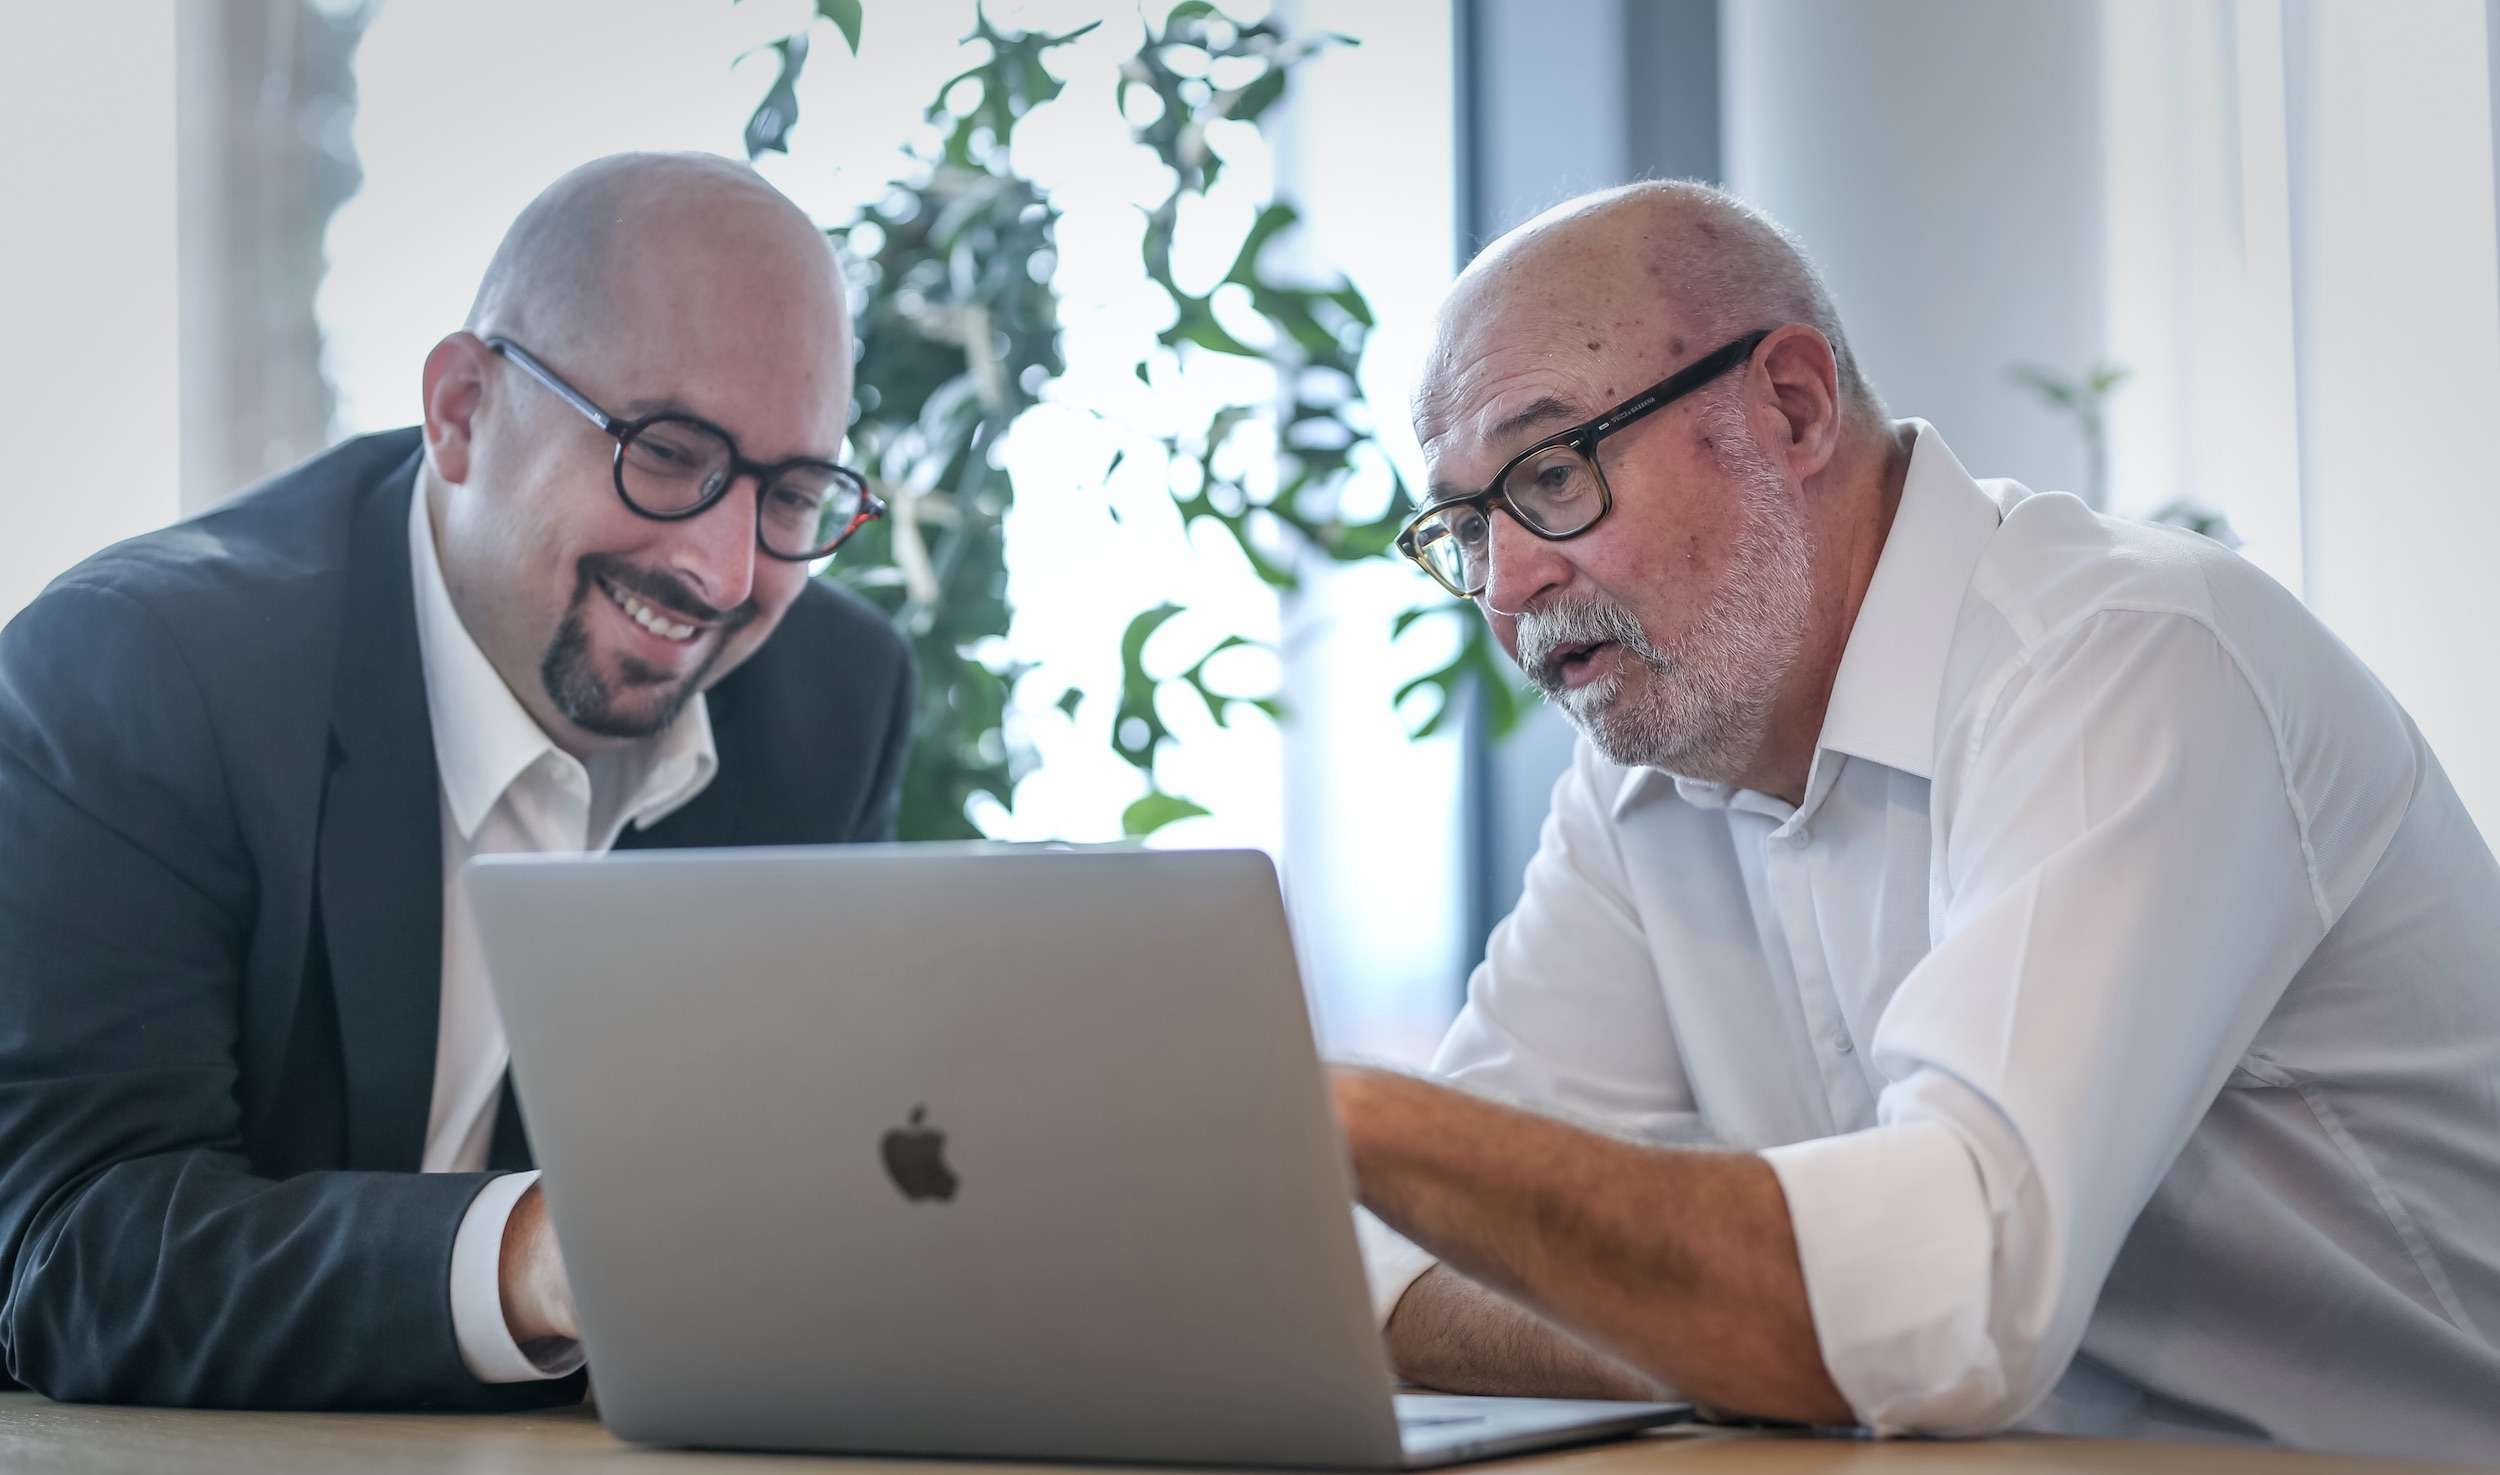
{"x": 220, "y": 943}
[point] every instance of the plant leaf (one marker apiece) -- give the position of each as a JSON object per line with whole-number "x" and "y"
{"x": 845, "y": 15}
{"x": 768, "y": 128}
{"x": 1198, "y": 325}
{"x": 1272, "y": 220}
{"x": 1406, "y": 619}
{"x": 1258, "y": 97}
{"x": 1155, "y": 811}
{"x": 1356, "y": 307}
{"x": 1133, "y": 640}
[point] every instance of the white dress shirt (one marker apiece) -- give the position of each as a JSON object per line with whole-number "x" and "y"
{"x": 2120, "y": 1010}
{"x": 507, "y": 787}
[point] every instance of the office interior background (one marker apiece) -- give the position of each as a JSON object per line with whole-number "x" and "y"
{"x": 233, "y": 227}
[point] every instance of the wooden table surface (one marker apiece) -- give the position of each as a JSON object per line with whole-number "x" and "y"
{"x": 39, "y": 1435}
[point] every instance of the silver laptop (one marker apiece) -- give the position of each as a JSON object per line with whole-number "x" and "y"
{"x": 948, "y": 1150}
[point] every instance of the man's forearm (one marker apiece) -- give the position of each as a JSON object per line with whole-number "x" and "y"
{"x": 1450, "y": 1333}
{"x": 1682, "y": 1263}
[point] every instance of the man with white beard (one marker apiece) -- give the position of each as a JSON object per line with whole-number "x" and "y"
{"x": 1989, "y": 965}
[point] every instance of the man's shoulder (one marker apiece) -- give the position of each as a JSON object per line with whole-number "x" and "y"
{"x": 2056, "y": 571}
{"x": 2137, "y": 613}
{"x": 2142, "y": 636}
{"x": 242, "y": 605}
{"x": 836, "y": 665}
{"x": 2054, "y": 562}
{"x": 828, "y": 621}
{"x": 833, "y": 650}
{"x": 810, "y": 731}
{"x": 245, "y": 569}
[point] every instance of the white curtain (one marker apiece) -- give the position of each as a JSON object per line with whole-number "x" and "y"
{"x": 2303, "y": 274}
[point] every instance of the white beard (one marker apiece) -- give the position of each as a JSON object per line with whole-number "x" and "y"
{"x": 1705, "y": 710}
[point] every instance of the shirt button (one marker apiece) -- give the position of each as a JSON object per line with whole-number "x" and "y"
{"x": 1843, "y": 1043}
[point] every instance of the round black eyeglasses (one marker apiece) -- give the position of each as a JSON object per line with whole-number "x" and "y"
{"x": 672, "y": 466}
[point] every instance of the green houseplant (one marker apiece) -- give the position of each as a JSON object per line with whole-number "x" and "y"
{"x": 960, "y": 336}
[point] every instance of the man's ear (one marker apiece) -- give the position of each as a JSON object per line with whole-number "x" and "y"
{"x": 455, "y": 385}
{"x": 1805, "y": 390}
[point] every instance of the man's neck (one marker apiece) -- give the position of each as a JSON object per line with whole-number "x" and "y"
{"x": 1849, "y": 511}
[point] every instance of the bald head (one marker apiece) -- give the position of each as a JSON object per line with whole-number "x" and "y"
{"x": 1659, "y": 272}
{"x": 557, "y": 280}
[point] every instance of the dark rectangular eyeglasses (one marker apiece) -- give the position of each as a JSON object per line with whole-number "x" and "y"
{"x": 1555, "y": 488}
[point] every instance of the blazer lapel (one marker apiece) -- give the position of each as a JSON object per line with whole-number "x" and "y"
{"x": 381, "y": 862}
{"x": 508, "y": 1151}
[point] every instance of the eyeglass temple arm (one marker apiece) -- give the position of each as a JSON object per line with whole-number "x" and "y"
{"x": 547, "y": 376}
{"x": 1684, "y": 381}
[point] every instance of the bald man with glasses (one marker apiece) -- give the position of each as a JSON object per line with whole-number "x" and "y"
{"x": 1989, "y": 965}
{"x": 258, "y": 1142}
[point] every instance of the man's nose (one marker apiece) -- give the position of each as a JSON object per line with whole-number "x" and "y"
{"x": 1519, "y": 564}
{"x": 715, "y": 550}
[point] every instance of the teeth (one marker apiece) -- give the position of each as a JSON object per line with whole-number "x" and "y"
{"x": 648, "y": 618}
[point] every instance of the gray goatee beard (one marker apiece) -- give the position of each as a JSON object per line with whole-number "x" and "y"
{"x": 1700, "y": 706}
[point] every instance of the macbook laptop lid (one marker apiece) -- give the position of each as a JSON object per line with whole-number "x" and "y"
{"x": 952, "y": 1150}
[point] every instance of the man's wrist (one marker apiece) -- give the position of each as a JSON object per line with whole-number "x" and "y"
{"x": 1362, "y": 1093}
{"x": 478, "y": 1320}
{"x": 535, "y": 1305}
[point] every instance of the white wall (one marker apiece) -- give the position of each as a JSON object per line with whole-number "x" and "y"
{"x": 1940, "y": 160}
{"x": 87, "y": 252}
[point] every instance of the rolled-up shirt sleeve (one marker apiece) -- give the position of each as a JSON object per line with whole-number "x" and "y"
{"x": 1893, "y": 1232}
{"x": 2126, "y": 888}
{"x": 1391, "y": 1263}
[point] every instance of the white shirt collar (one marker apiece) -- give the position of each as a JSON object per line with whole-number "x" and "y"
{"x": 1884, "y": 696}
{"x": 1883, "y": 703}
{"x": 484, "y": 739}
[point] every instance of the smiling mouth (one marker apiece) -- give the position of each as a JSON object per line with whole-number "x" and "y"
{"x": 650, "y": 616}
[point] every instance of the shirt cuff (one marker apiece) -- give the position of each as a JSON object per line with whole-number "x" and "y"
{"x": 1896, "y": 1242}
{"x": 1391, "y": 1263}
{"x": 477, "y": 1323}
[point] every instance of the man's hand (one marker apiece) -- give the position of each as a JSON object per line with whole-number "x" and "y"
{"x": 537, "y": 1299}
{"x": 1679, "y": 1263}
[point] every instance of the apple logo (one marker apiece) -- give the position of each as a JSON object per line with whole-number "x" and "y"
{"x": 915, "y": 1158}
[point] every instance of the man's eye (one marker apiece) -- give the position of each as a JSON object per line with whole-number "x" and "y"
{"x": 663, "y": 454}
